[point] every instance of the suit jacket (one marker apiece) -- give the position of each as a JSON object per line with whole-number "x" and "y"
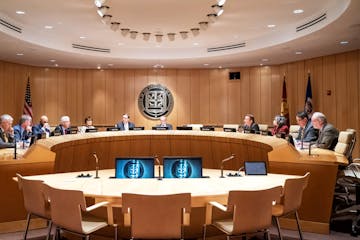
{"x": 328, "y": 137}
{"x": 20, "y": 134}
{"x": 60, "y": 129}
{"x": 121, "y": 126}
{"x": 38, "y": 129}
{"x": 168, "y": 126}
{"x": 3, "y": 143}
{"x": 310, "y": 133}
{"x": 254, "y": 128}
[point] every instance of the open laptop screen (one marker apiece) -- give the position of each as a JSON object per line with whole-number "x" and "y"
{"x": 134, "y": 167}
{"x": 255, "y": 168}
{"x": 182, "y": 167}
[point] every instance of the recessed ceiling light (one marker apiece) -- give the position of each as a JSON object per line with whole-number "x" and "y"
{"x": 120, "y": 43}
{"x": 261, "y": 64}
{"x": 52, "y": 60}
{"x": 206, "y": 64}
{"x": 110, "y": 64}
{"x": 20, "y": 12}
{"x": 19, "y": 54}
{"x": 271, "y": 25}
{"x": 56, "y": 65}
{"x": 298, "y": 11}
{"x": 265, "y": 60}
{"x": 220, "y": 67}
{"x": 82, "y": 37}
{"x": 344, "y": 42}
{"x": 48, "y": 27}
{"x": 195, "y": 43}
{"x": 158, "y": 46}
{"x": 98, "y": 67}
{"x": 298, "y": 52}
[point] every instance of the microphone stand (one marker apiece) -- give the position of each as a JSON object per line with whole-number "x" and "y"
{"x": 222, "y": 164}
{"x": 159, "y": 169}
{"x": 15, "y": 149}
{"x": 310, "y": 147}
{"x": 96, "y": 165}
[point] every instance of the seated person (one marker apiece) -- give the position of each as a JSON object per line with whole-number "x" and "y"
{"x": 125, "y": 124}
{"x": 6, "y": 132}
{"x": 64, "y": 126}
{"x": 23, "y": 130}
{"x": 88, "y": 125}
{"x": 250, "y": 125}
{"x": 307, "y": 133}
{"x": 280, "y": 127}
{"x": 163, "y": 123}
{"x": 328, "y": 134}
{"x": 42, "y": 128}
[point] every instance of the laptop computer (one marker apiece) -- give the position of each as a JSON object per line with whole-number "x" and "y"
{"x": 255, "y": 168}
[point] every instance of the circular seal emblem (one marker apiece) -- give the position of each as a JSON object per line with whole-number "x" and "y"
{"x": 155, "y": 101}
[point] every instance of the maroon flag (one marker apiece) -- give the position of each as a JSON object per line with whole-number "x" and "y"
{"x": 27, "y": 103}
{"x": 284, "y": 105}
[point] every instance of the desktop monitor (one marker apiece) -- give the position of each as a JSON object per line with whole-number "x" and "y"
{"x": 134, "y": 167}
{"x": 255, "y": 168}
{"x": 182, "y": 167}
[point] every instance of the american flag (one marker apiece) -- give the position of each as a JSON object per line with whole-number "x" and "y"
{"x": 27, "y": 104}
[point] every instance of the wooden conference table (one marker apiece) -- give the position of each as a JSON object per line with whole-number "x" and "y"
{"x": 74, "y": 153}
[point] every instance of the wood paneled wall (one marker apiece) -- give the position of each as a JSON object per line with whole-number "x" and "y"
{"x": 201, "y": 95}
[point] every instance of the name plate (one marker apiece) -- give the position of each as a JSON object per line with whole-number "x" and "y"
{"x": 112, "y": 129}
{"x": 207, "y": 129}
{"x": 91, "y": 130}
{"x": 137, "y": 128}
{"x": 229, "y": 129}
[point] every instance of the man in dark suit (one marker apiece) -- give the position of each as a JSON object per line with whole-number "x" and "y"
{"x": 42, "y": 128}
{"x": 23, "y": 131}
{"x": 250, "y": 125}
{"x": 64, "y": 126}
{"x": 125, "y": 124}
{"x": 328, "y": 134}
{"x": 307, "y": 133}
{"x": 6, "y": 132}
{"x": 163, "y": 123}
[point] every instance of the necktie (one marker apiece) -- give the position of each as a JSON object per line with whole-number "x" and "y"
{"x": 302, "y": 133}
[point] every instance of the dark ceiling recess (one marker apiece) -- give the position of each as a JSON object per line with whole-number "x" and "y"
{"x": 228, "y": 47}
{"x": 311, "y": 23}
{"x": 10, "y": 26}
{"x": 88, "y": 48}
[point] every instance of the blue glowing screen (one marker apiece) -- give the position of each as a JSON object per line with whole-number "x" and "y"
{"x": 255, "y": 168}
{"x": 182, "y": 167}
{"x": 134, "y": 167}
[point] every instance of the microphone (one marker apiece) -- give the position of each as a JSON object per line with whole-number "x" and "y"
{"x": 159, "y": 169}
{"x": 15, "y": 148}
{"x": 96, "y": 165}
{"x": 312, "y": 143}
{"x": 222, "y": 164}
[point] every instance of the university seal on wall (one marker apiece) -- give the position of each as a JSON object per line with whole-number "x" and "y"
{"x": 155, "y": 101}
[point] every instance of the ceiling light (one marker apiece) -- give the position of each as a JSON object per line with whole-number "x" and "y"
{"x": 184, "y": 34}
{"x": 99, "y": 3}
{"x": 146, "y": 36}
{"x": 265, "y": 60}
{"x": 56, "y": 65}
{"x": 158, "y": 65}
{"x": 19, "y": 54}
{"x": 220, "y": 67}
{"x": 125, "y": 31}
{"x": 171, "y": 36}
{"x": 217, "y": 9}
{"x": 344, "y": 42}
{"x": 48, "y": 27}
{"x": 52, "y": 60}
{"x": 203, "y": 25}
{"x": 106, "y": 19}
{"x": 206, "y": 64}
{"x": 298, "y": 11}
{"x": 102, "y": 10}
{"x": 261, "y": 64}
{"x": 298, "y": 52}
{"x": 110, "y": 64}
{"x": 195, "y": 44}
{"x": 271, "y": 25}
{"x": 82, "y": 37}
{"x": 20, "y": 12}
{"x": 120, "y": 43}
{"x": 158, "y": 37}
{"x": 195, "y": 31}
{"x": 114, "y": 26}
{"x": 212, "y": 17}
{"x": 221, "y": 2}
{"x": 133, "y": 34}
{"x": 98, "y": 67}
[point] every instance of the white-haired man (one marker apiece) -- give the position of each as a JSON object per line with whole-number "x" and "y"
{"x": 125, "y": 124}
{"x": 328, "y": 134}
{"x": 163, "y": 123}
{"x": 63, "y": 127}
{"x": 6, "y": 131}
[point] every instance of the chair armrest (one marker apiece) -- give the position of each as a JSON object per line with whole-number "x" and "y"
{"x": 95, "y": 206}
{"x": 218, "y": 205}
